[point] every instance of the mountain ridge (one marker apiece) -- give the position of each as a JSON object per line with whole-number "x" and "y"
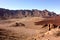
{"x": 7, "y": 14}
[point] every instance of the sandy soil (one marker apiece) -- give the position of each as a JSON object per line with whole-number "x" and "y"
{"x": 29, "y": 31}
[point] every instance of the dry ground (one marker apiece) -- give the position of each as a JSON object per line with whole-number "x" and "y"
{"x": 29, "y": 31}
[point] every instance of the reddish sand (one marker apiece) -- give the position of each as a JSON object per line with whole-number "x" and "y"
{"x": 52, "y": 20}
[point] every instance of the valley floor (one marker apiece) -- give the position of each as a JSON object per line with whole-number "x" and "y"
{"x": 25, "y": 29}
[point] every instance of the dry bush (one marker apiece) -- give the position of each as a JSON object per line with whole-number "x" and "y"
{"x": 18, "y": 24}
{"x": 21, "y": 24}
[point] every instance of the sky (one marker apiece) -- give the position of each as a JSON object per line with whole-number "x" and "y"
{"x": 51, "y": 5}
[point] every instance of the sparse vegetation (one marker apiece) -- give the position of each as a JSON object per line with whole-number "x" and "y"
{"x": 18, "y": 24}
{"x": 24, "y": 29}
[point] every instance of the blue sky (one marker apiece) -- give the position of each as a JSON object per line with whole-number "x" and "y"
{"x": 51, "y": 5}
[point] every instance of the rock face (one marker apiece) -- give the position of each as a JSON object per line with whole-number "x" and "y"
{"x": 6, "y": 13}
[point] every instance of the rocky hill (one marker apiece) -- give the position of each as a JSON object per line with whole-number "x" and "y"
{"x": 6, "y": 13}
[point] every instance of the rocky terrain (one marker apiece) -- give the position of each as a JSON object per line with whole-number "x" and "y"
{"x": 33, "y": 29}
{"x": 29, "y": 25}
{"x": 8, "y": 14}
